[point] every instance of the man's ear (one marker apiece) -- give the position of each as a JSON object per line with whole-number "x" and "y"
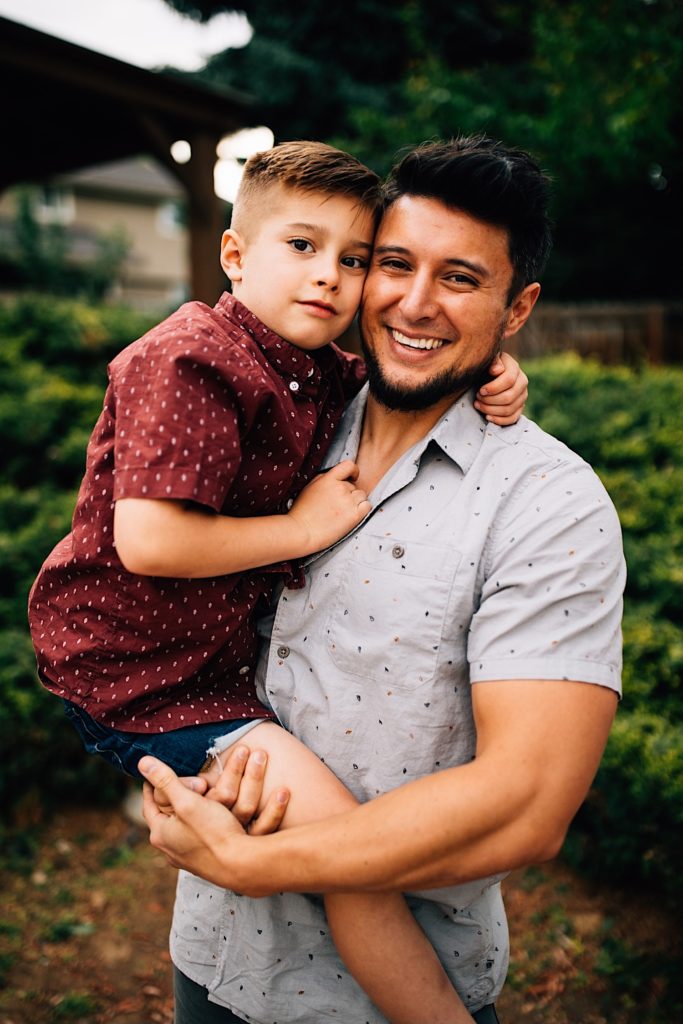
{"x": 232, "y": 250}
{"x": 521, "y": 307}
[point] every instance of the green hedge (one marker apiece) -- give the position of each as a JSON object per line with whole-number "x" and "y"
{"x": 628, "y": 424}
{"x": 53, "y": 358}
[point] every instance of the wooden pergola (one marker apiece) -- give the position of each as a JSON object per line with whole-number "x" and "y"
{"x": 66, "y": 107}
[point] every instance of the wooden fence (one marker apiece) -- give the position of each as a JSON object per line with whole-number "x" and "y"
{"x": 611, "y": 332}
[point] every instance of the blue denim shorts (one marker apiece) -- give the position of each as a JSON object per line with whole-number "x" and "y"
{"x": 185, "y": 750}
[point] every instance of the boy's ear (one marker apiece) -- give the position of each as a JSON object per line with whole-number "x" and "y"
{"x": 521, "y": 308}
{"x": 232, "y": 249}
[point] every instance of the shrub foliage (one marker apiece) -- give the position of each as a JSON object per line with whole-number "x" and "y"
{"x": 629, "y": 426}
{"x": 53, "y": 357}
{"x": 627, "y": 423}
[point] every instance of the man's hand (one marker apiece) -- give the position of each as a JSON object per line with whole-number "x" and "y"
{"x": 196, "y": 832}
{"x": 502, "y": 399}
{"x": 329, "y": 507}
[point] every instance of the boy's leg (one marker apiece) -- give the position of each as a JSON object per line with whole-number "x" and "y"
{"x": 376, "y": 935}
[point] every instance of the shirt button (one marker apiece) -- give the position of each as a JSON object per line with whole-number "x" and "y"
{"x": 243, "y": 671}
{"x": 290, "y": 502}
{"x": 398, "y": 551}
{"x": 294, "y": 385}
{"x": 283, "y": 652}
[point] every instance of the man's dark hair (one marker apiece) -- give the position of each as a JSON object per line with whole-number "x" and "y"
{"x": 490, "y": 181}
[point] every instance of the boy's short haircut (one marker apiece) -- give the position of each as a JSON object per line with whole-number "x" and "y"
{"x": 490, "y": 181}
{"x": 309, "y": 167}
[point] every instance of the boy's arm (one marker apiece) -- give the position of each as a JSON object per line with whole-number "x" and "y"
{"x": 167, "y": 538}
{"x": 502, "y": 399}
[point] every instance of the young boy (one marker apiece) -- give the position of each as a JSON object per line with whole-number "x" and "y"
{"x": 196, "y": 501}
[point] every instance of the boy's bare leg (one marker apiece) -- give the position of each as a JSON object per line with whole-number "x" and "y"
{"x": 376, "y": 935}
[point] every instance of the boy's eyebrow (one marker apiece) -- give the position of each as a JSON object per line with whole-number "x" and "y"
{"x": 477, "y": 268}
{"x": 320, "y": 229}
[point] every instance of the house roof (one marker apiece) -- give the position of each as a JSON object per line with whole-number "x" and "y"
{"x": 68, "y": 107}
{"x": 137, "y": 178}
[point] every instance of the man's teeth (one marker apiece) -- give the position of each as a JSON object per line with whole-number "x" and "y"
{"x": 416, "y": 342}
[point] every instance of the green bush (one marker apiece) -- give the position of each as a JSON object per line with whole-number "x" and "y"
{"x": 629, "y": 426}
{"x": 53, "y": 358}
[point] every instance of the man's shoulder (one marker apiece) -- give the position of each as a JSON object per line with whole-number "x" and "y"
{"x": 532, "y": 460}
{"x": 525, "y": 443}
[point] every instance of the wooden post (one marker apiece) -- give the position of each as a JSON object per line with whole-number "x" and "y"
{"x": 206, "y": 221}
{"x": 205, "y": 211}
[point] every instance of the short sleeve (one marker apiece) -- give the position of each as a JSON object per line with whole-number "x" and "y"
{"x": 177, "y": 431}
{"x": 551, "y": 601}
{"x": 352, "y": 371}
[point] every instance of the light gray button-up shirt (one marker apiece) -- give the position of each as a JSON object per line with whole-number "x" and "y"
{"x": 490, "y": 553}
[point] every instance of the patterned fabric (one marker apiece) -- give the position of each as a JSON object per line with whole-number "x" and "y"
{"x": 490, "y": 553}
{"x": 209, "y": 407}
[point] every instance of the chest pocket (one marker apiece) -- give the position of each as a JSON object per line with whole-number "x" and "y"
{"x": 386, "y": 620}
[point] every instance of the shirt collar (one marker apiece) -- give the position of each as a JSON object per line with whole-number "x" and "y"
{"x": 293, "y": 364}
{"x": 459, "y": 433}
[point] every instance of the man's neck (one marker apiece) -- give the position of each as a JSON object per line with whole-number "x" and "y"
{"x": 388, "y": 433}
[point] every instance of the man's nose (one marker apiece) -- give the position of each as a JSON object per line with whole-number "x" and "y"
{"x": 418, "y": 301}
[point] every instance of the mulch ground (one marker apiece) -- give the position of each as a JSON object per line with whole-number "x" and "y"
{"x": 86, "y": 908}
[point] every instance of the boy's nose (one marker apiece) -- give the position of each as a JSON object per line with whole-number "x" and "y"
{"x": 332, "y": 285}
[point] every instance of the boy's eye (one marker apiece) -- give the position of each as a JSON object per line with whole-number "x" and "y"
{"x": 300, "y": 244}
{"x": 354, "y": 262}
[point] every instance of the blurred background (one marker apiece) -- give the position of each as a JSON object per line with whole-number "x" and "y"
{"x": 125, "y": 130}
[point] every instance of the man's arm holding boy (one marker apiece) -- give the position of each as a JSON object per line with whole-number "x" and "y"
{"x": 539, "y": 737}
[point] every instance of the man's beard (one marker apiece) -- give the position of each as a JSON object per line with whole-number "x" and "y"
{"x": 450, "y": 383}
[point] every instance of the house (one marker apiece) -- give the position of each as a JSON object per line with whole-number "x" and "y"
{"x": 134, "y": 208}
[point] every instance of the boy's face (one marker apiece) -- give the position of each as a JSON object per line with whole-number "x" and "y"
{"x": 301, "y": 268}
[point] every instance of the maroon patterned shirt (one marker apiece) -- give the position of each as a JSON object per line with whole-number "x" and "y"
{"x": 209, "y": 407}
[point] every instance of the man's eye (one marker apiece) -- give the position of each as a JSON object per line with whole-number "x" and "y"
{"x": 393, "y": 263}
{"x": 462, "y": 279}
{"x": 300, "y": 244}
{"x": 354, "y": 262}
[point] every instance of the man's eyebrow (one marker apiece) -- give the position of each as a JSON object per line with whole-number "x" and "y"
{"x": 320, "y": 229}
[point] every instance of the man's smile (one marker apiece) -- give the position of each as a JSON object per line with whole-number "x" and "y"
{"x": 423, "y": 343}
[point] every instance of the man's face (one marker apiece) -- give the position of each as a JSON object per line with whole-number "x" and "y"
{"x": 435, "y": 305}
{"x": 302, "y": 266}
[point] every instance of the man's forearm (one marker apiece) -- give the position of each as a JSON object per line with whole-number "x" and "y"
{"x": 539, "y": 745}
{"x": 438, "y": 831}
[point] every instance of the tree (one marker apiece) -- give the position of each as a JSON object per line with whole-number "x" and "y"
{"x": 591, "y": 88}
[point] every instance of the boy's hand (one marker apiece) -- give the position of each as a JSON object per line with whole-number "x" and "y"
{"x": 502, "y": 399}
{"x": 329, "y": 507}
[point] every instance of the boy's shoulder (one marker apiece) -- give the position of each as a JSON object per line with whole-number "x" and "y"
{"x": 194, "y": 329}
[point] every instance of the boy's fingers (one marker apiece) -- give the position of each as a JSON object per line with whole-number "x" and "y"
{"x": 504, "y": 388}
{"x": 346, "y": 470}
{"x": 270, "y": 818}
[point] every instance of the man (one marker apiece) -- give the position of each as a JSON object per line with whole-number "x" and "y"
{"x": 455, "y": 660}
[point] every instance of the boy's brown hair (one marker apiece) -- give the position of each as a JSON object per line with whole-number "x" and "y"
{"x": 308, "y": 167}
